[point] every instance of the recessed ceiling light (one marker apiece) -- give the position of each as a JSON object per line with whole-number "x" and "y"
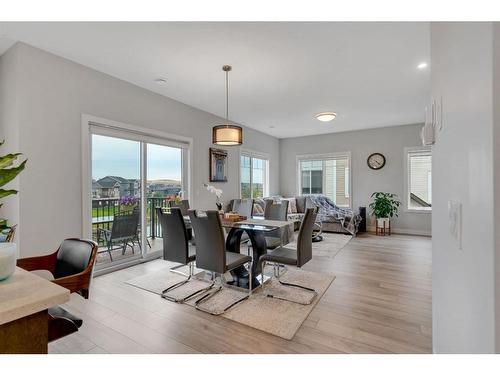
{"x": 161, "y": 81}
{"x": 325, "y": 116}
{"x": 422, "y": 65}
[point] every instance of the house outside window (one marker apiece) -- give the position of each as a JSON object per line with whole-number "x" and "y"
{"x": 418, "y": 179}
{"x": 327, "y": 174}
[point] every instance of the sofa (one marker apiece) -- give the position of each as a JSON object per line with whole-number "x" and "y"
{"x": 333, "y": 218}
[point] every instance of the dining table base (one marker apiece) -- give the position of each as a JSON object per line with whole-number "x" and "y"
{"x": 259, "y": 247}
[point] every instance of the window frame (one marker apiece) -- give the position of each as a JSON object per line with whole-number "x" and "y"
{"x": 323, "y": 157}
{"x": 257, "y": 155}
{"x": 408, "y": 151}
{"x": 100, "y": 126}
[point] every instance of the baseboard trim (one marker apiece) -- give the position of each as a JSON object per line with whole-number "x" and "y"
{"x": 412, "y": 232}
{"x": 127, "y": 264}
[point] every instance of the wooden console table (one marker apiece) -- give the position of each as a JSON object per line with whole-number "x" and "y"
{"x": 24, "y": 300}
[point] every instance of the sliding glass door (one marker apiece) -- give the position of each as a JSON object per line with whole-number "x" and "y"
{"x": 116, "y": 198}
{"x": 132, "y": 175}
{"x": 164, "y": 183}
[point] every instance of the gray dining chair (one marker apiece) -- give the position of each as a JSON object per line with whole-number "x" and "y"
{"x": 183, "y": 205}
{"x": 243, "y": 207}
{"x": 211, "y": 255}
{"x": 176, "y": 247}
{"x": 276, "y": 211}
{"x": 294, "y": 256}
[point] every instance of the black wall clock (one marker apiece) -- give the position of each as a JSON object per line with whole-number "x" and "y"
{"x": 376, "y": 161}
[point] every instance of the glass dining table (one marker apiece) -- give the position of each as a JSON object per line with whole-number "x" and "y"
{"x": 257, "y": 229}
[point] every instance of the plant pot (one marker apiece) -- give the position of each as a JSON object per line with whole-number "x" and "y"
{"x": 381, "y": 221}
{"x": 8, "y": 258}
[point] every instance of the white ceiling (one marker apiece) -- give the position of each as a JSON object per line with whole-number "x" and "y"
{"x": 283, "y": 73}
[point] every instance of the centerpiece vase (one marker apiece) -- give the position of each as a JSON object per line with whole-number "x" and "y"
{"x": 8, "y": 258}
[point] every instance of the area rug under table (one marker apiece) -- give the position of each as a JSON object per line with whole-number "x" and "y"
{"x": 275, "y": 316}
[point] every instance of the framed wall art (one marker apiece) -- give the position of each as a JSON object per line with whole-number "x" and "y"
{"x": 218, "y": 165}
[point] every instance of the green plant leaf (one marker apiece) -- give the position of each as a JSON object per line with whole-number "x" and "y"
{"x": 8, "y": 160}
{"x": 5, "y": 193}
{"x": 7, "y": 175}
{"x": 384, "y": 205}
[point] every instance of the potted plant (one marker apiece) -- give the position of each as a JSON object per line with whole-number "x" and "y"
{"x": 218, "y": 195}
{"x": 384, "y": 206}
{"x": 8, "y": 251}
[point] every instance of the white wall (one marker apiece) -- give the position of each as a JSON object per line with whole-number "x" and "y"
{"x": 389, "y": 141}
{"x": 496, "y": 171}
{"x": 8, "y": 126}
{"x": 52, "y": 93}
{"x": 463, "y": 280}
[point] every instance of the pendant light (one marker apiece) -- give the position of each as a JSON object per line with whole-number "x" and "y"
{"x": 227, "y": 134}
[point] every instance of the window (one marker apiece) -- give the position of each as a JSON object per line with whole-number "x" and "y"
{"x": 130, "y": 172}
{"x": 419, "y": 179}
{"x": 326, "y": 174}
{"x": 253, "y": 176}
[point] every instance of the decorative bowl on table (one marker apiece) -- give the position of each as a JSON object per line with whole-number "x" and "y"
{"x": 8, "y": 258}
{"x": 232, "y": 217}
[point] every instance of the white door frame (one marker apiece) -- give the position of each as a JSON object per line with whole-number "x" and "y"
{"x": 115, "y": 127}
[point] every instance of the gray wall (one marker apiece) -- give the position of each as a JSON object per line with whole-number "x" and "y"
{"x": 496, "y": 171}
{"x": 463, "y": 290}
{"x": 8, "y": 126}
{"x": 51, "y": 94}
{"x": 389, "y": 141}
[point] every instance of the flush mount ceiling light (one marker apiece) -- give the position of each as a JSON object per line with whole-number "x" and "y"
{"x": 422, "y": 65}
{"x": 227, "y": 134}
{"x": 325, "y": 116}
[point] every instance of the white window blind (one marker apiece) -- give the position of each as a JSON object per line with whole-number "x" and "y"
{"x": 419, "y": 194}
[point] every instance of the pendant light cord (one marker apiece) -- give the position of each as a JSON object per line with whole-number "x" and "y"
{"x": 227, "y": 96}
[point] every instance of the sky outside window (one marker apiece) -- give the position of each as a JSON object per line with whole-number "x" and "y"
{"x": 121, "y": 157}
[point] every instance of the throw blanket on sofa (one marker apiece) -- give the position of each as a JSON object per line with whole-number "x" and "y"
{"x": 329, "y": 211}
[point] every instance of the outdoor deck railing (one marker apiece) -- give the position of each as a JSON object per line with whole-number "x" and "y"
{"x": 104, "y": 209}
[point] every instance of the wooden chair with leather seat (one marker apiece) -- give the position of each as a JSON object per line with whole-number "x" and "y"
{"x": 71, "y": 265}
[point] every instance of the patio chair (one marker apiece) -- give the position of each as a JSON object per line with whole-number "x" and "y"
{"x": 123, "y": 232}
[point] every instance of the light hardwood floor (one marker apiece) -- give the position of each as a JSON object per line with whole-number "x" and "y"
{"x": 380, "y": 302}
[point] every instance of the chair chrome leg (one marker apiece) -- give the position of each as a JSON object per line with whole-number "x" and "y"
{"x": 313, "y": 291}
{"x": 175, "y": 268}
{"x": 250, "y": 278}
{"x": 207, "y": 296}
{"x": 191, "y": 269}
{"x": 179, "y": 284}
{"x": 262, "y": 268}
